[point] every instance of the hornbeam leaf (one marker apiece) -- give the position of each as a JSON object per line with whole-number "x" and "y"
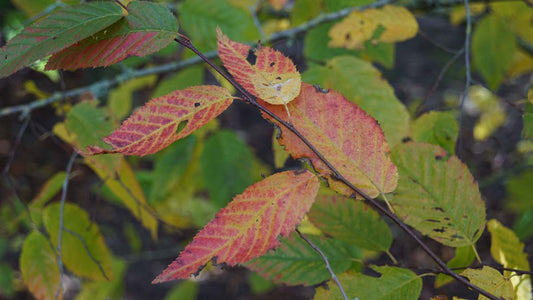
{"x": 345, "y": 134}
{"x": 351, "y": 222}
{"x": 165, "y": 119}
{"x": 56, "y": 31}
{"x": 437, "y": 195}
{"x": 393, "y": 284}
{"x": 147, "y": 28}
{"x": 492, "y": 281}
{"x": 250, "y": 225}
{"x": 294, "y": 262}
{"x": 38, "y": 264}
{"x": 273, "y": 77}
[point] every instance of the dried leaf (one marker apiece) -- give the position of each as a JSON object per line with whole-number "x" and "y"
{"x": 147, "y": 28}
{"x": 273, "y": 77}
{"x": 352, "y": 32}
{"x": 250, "y": 225}
{"x": 346, "y": 135}
{"x": 165, "y": 119}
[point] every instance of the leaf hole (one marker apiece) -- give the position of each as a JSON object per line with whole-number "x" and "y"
{"x": 181, "y": 126}
{"x": 272, "y": 64}
{"x": 251, "y": 57}
{"x": 196, "y": 104}
{"x": 406, "y": 139}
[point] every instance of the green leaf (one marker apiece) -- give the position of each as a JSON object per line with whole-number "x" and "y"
{"x": 56, "y": 31}
{"x": 39, "y": 267}
{"x": 148, "y": 27}
{"x": 464, "y": 256}
{"x": 49, "y": 190}
{"x": 201, "y": 18}
{"x": 437, "y": 195}
{"x": 507, "y": 249}
{"x": 6, "y": 280}
{"x": 295, "y": 262}
{"x": 519, "y": 191}
{"x": 362, "y": 84}
{"x": 186, "y": 290}
{"x": 493, "y": 48}
{"x": 394, "y": 283}
{"x": 490, "y": 280}
{"x": 438, "y": 128}
{"x": 350, "y": 221}
{"x": 185, "y": 78}
{"x": 280, "y": 155}
{"x": 305, "y": 10}
{"x": 226, "y": 165}
{"x": 170, "y": 167}
{"x": 82, "y": 243}
{"x": 89, "y": 123}
{"x": 335, "y": 5}
{"x": 523, "y": 225}
{"x": 120, "y": 98}
{"x": 316, "y": 46}
{"x": 104, "y": 290}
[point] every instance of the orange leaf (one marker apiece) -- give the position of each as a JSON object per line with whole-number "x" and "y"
{"x": 273, "y": 77}
{"x": 250, "y": 225}
{"x": 345, "y": 134}
{"x": 165, "y": 119}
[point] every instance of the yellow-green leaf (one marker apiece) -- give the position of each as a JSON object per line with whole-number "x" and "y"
{"x": 490, "y": 280}
{"x": 84, "y": 251}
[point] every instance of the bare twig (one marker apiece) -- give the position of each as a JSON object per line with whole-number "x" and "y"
{"x": 61, "y": 223}
{"x": 468, "y": 75}
{"x": 326, "y": 261}
{"x": 250, "y": 99}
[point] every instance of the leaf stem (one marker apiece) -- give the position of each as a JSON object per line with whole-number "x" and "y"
{"x": 326, "y": 261}
{"x": 250, "y": 99}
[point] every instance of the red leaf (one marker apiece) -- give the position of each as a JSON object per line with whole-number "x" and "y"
{"x": 147, "y": 28}
{"x": 345, "y": 134}
{"x": 165, "y": 119}
{"x": 250, "y": 225}
{"x": 273, "y": 77}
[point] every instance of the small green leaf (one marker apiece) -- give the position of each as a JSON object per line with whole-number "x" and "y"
{"x": 437, "y": 195}
{"x": 464, "y": 256}
{"x": 394, "y": 283}
{"x": 56, "y": 31}
{"x": 280, "y": 155}
{"x": 490, "y": 280}
{"x": 438, "y": 128}
{"x": 350, "y": 221}
{"x": 89, "y": 123}
{"x": 49, "y": 190}
{"x": 84, "y": 251}
{"x": 519, "y": 191}
{"x": 201, "y": 18}
{"x": 362, "y": 84}
{"x": 523, "y": 225}
{"x": 226, "y": 165}
{"x": 39, "y": 267}
{"x": 493, "y": 48}
{"x": 6, "y": 280}
{"x": 305, "y": 10}
{"x": 186, "y": 290}
{"x": 295, "y": 262}
{"x": 335, "y": 5}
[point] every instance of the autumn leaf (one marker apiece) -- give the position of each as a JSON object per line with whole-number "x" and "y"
{"x": 165, "y": 119}
{"x": 250, "y": 225}
{"x": 345, "y": 134}
{"x": 437, "y": 195}
{"x": 56, "y": 31}
{"x": 397, "y": 22}
{"x": 273, "y": 77}
{"x": 490, "y": 280}
{"x": 147, "y": 28}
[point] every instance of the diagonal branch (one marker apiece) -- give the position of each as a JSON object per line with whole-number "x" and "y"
{"x": 250, "y": 99}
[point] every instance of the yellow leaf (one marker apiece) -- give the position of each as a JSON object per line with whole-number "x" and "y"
{"x": 32, "y": 88}
{"x": 492, "y": 115}
{"x": 518, "y": 16}
{"x": 360, "y": 26}
{"x": 522, "y": 64}
{"x": 458, "y": 13}
{"x": 277, "y": 4}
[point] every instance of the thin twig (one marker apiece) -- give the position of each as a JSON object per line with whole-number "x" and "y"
{"x": 250, "y": 99}
{"x": 468, "y": 76}
{"x": 326, "y": 261}
{"x": 61, "y": 223}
